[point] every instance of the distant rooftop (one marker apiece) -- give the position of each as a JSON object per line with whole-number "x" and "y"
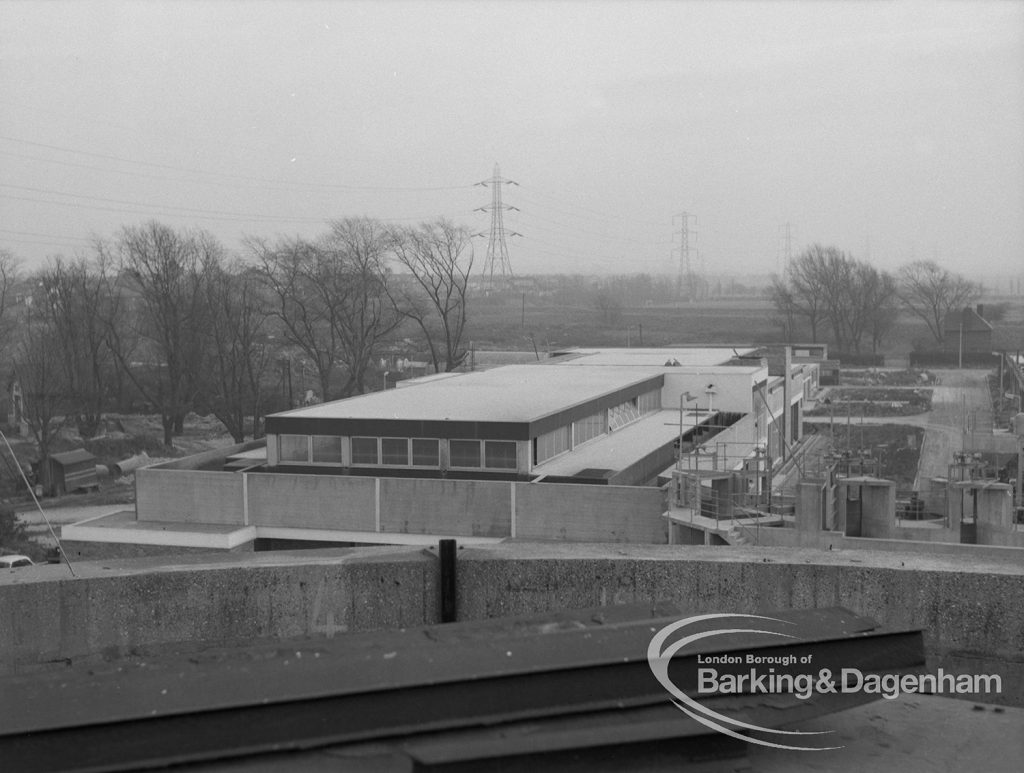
{"x": 521, "y": 393}
{"x": 514, "y": 393}
{"x": 651, "y": 357}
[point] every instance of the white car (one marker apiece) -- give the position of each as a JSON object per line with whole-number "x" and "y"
{"x": 14, "y": 562}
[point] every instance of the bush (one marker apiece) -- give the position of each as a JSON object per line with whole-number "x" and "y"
{"x": 13, "y": 536}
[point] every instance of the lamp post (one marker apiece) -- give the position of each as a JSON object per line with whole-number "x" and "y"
{"x": 684, "y": 397}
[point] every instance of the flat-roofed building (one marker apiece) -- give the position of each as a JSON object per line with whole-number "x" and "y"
{"x": 481, "y": 456}
{"x": 583, "y": 415}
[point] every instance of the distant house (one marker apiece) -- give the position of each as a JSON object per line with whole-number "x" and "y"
{"x": 967, "y": 328}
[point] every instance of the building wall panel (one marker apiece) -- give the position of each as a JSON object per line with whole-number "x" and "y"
{"x": 583, "y": 513}
{"x": 312, "y": 501}
{"x": 193, "y": 496}
{"x": 457, "y": 507}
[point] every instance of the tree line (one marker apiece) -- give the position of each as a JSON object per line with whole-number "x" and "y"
{"x": 172, "y": 317}
{"x": 830, "y": 294}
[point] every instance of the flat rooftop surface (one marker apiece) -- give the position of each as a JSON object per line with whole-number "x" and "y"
{"x": 125, "y": 519}
{"x": 620, "y": 448}
{"x": 515, "y": 393}
{"x": 652, "y": 357}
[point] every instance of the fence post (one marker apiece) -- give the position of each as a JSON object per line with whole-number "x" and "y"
{"x": 446, "y": 549}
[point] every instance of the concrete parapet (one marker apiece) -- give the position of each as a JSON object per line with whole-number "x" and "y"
{"x": 810, "y": 505}
{"x": 870, "y": 506}
{"x": 160, "y": 496}
{"x": 971, "y": 608}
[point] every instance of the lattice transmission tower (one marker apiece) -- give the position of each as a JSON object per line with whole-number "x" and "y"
{"x": 497, "y": 260}
{"x": 687, "y": 279}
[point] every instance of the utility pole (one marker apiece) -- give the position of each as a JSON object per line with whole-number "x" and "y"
{"x": 785, "y": 251}
{"x": 497, "y": 259}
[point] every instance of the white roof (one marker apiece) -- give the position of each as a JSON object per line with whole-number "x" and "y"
{"x": 652, "y": 357}
{"x": 514, "y": 393}
{"x": 615, "y": 450}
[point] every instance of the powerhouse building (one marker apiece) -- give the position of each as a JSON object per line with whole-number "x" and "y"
{"x": 574, "y": 446}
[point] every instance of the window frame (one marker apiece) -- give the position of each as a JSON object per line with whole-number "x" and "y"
{"x": 280, "y": 449}
{"x": 515, "y": 455}
{"x": 437, "y": 450}
{"x": 479, "y": 454}
{"x": 352, "y": 442}
{"x": 341, "y": 451}
{"x": 380, "y": 452}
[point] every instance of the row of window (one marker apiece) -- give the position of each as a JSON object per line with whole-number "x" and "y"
{"x": 462, "y": 454}
{"x": 558, "y": 441}
{"x": 398, "y": 452}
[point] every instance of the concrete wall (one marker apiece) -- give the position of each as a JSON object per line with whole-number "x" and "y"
{"x": 469, "y": 508}
{"x": 647, "y": 468}
{"x": 912, "y": 541}
{"x": 590, "y": 513}
{"x": 77, "y": 550}
{"x": 184, "y": 496}
{"x": 458, "y": 507}
{"x": 310, "y": 501}
{"x": 971, "y": 609}
{"x": 732, "y": 387}
{"x": 878, "y": 509}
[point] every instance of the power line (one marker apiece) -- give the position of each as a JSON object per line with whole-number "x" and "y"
{"x": 600, "y": 214}
{"x": 262, "y": 180}
{"x": 198, "y": 214}
{"x": 588, "y": 257}
{"x": 45, "y": 236}
{"x": 528, "y": 214}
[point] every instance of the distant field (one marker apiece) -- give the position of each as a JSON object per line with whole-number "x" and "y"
{"x": 508, "y": 324}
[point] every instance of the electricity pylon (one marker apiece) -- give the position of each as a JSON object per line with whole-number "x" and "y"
{"x": 497, "y": 250}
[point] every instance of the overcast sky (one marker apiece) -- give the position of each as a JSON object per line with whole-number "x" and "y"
{"x": 893, "y": 131}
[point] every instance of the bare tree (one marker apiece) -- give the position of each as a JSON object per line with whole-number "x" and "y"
{"x": 883, "y": 308}
{"x": 356, "y": 249}
{"x": 8, "y": 279}
{"x": 76, "y": 300}
{"x": 233, "y": 381}
{"x": 931, "y": 292}
{"x": 162, "y": 347}
{"x": 781, "y": 296}
{"x": 807, "y": 275}
{"x": 825, "y": 285}
{"x": 39, "y": 368}
{"x": 439, "y": 258}
{"x": 295, "y": 275}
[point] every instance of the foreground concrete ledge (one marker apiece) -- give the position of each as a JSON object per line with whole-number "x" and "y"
{"x": 192, "y": 562}
{"x": 1012, "y": 563}
{"x": 971, "y": 610}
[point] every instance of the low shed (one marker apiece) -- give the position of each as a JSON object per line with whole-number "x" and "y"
{"x": 69, "y": 471}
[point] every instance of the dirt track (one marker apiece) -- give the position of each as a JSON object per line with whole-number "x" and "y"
{"x": 961, "y": 407}
{"x": 961, "y": 417}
